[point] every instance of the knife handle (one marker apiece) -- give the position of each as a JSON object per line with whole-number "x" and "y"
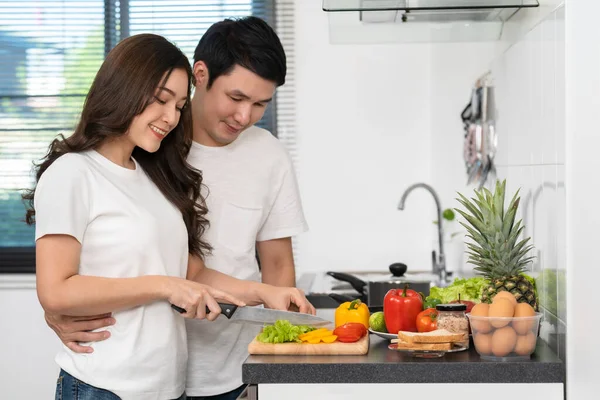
{"x": 226, "y": 309}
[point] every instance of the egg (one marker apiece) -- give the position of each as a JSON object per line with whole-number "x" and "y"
{"x": 505, "y": 295}
{"x": 524, "y": 310}
{"x": 503, "y": 341}
{"x": 501, "y": 309}
{"x": 483, "y": 343}
{"x": 525, "y": 344}
{"x": 477, "y": 324}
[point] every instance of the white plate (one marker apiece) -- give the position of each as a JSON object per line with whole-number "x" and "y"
{"x": 388, "y": 336}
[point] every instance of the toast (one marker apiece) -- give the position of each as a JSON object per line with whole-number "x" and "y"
{"x": 423, "y": 346}
{"x": 438, "y": 336}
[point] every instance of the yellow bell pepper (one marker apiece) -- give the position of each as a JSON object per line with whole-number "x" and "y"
{"x": 354, "y": 311}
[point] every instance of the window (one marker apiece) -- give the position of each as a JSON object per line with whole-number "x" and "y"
{"x": 49, "y": 54}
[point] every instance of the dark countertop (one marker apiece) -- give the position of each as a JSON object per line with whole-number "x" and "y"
{"x": 382, "y": 365}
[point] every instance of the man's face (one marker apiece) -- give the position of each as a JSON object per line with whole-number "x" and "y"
{"x": 233, "y": 103}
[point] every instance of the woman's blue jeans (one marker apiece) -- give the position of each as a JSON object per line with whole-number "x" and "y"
{"x": 71, "y": 388}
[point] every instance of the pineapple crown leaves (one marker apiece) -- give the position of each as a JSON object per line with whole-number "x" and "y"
{"x": 495, "y": 248}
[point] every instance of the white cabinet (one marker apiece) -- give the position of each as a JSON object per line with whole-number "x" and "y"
{"x": 445, "y": 391}
{"x": 27, "y": 345}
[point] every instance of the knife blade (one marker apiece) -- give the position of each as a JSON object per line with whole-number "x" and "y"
{"x": 264, "y": 316}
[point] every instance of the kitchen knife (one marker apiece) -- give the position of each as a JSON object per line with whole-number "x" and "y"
{"x": 263, "y": 316}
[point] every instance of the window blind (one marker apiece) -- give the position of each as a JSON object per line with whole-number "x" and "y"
{"x": 50, "y": 52}
{"x": 286, "y": 94}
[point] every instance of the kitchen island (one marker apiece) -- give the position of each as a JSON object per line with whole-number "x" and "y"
{"x": 383, "y": 371}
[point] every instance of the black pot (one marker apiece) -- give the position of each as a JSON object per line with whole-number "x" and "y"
{"x": 372, "y": 292}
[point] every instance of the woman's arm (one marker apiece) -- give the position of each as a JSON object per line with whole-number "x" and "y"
{"x": 61, "y": 290}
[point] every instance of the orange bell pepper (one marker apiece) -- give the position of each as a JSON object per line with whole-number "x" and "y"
{"x": 354, "y": 311}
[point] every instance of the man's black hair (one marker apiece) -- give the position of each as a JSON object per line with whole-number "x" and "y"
{"x": 249, "y": 42}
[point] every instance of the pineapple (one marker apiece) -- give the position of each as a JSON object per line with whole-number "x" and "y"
{"x": 495, "y": 249}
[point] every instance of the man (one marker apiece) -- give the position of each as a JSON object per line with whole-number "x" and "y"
{"x": 251, "y": 194}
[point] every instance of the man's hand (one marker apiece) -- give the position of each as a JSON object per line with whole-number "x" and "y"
{"x": 73, "y": 330}
{"x": 286, "y": 298}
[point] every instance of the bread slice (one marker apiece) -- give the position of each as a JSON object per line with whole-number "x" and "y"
{"x": 437, "y": 336}
{"x": 423, "y": 346}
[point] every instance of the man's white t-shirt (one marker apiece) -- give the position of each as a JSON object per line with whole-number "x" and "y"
{"x": 126, "y": 228}
{"x": 252, "y": 195}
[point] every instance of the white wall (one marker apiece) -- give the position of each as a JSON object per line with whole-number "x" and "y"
{"x": 455, "y": 68}
{"x": 365, "y": 117}
{"x": 582, "y": 220}
{"x": 363, "y": 130}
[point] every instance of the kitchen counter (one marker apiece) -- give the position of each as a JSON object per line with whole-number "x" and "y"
{"x": 382, "y": 365}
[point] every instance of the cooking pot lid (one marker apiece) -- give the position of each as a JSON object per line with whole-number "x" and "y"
{"x": 387, "y": 277}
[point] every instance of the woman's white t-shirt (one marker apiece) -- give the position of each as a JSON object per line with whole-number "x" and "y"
{"x": 126, "y": 228}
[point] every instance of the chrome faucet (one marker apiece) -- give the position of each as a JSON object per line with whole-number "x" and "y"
{"x": 439, "y": 264}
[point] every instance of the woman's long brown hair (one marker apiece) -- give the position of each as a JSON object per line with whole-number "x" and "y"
{"x": 124, "y": 86}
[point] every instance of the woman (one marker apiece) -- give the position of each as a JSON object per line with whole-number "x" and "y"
{"x": 117, "y": 210}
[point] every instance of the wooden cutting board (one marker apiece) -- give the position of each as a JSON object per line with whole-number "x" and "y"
{"x": 325, "y": 349}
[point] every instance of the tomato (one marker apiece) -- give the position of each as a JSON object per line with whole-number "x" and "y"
{"x": 350, "y": 332}
{"x": 427, "y": 320}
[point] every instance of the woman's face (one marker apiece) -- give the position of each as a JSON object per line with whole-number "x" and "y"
{"x": 148, "y": 129}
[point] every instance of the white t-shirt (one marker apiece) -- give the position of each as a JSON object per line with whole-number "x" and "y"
{"x": 126, "y": 228}
{"x": 252, "y": 196}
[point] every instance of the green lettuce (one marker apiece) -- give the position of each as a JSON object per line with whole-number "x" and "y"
{"x": 283, "y": 331}
{"x": 469, "y": 289}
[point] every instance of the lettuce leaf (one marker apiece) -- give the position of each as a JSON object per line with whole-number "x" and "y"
{"x": 469, "y": 289}
{"x": 283, "y": 331}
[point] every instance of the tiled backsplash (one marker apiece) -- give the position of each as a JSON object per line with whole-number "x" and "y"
{"x": 530, "y": 96}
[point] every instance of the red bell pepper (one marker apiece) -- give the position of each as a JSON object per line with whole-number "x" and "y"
{"x": 400, "y": 309}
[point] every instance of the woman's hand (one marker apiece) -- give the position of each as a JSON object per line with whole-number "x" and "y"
{"x": 285, "y": 298}
{"x": 195, "y": 298}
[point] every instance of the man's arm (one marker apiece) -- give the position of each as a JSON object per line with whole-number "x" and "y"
{"x": 277, "y": 262}
{"x": 252, "y": 293}
{"x": 74, "y": 330}
{"x": 198, "y": 272}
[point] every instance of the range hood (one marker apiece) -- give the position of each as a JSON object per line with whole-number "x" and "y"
{"x": 481, "y": 19}
{"x": 435, "y": 10}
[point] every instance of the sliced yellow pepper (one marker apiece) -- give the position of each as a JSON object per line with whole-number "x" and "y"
{"x": 329, "y": 339}
{"x": 315, "y": 333}
{"x": 354, "y": 311}
{"x": 325, "y": 339}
